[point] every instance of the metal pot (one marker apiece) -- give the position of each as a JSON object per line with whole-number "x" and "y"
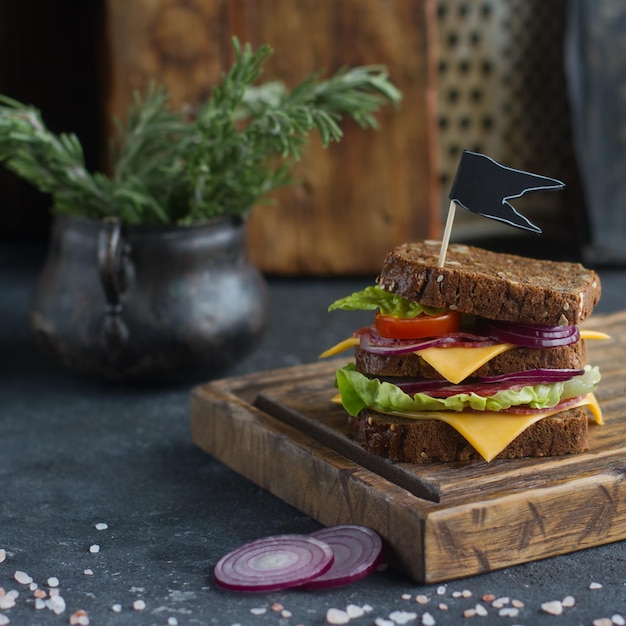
{"x": 148, "y": 303}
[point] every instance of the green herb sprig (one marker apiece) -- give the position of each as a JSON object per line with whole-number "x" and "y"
{"x": 169, "y": 167}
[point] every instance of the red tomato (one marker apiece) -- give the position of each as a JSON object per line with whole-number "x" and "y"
{"x": 421, "y": 326}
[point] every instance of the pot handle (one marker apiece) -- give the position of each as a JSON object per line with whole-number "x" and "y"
{"x": 113, "y": 253}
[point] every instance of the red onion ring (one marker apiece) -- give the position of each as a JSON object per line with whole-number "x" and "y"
{"x": 358, "y": 551}
{"x": 531, "y": 335}
{"x": 274, "y": 563}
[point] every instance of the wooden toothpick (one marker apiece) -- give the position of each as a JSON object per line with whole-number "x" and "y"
{"x": 446, "y": 234}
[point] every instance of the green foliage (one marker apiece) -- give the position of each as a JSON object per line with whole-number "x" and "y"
{"x": 172, "y": 168}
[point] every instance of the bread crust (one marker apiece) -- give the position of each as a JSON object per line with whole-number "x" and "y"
{"x": 493, "y": 285}
{"x": 573, "y": 356}
{"x": 428, "y": 441}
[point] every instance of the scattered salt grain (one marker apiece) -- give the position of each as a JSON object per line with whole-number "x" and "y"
{"x": 498, "y": 603}
{"x": 442, "y": 606}
{"x": 602, "y": 621}
{"x": 618, "y": 620}
{"x": 276, "y": 607}
{"x": 79, "y": 618}
{"x": 469, "y": 613}
{"x": 101, "y": 526}
{"x": 258, "y": 610}
{"x": 367, "y": 608}
{"x": 39, "y": 593}
{"x": 22, "y": 577}
{"x": 421, "y": 599}
{"x": 354, "y": 611}
{"x": 428, "y": 620}
{"x": 4, "y": 620}
{"x": 286, "y": 614}
{"x": 7, "y": 600}
{"x": 379, "y": 621}
{"x": 480, "y": 610}
{"x": 39, "y": 604}
{"x": 568, "y": 602}
{"x": 139, "y": 605}
{"x": 488, "y": 597}
{"x": 402, "y": 617}
{"x": 555, "y": 607}
{"x": 116, "y": 608}
{"x": 53, "y": 581}
{"x": 508, "y": 611}
{"x": 595, "y": 586}
{"x": 441, "y": 590}
{"x": 3, "y": 555}
{"x": 518, "y": 604}
{"x": 88, "y": 572}
{"x": 406, "y": 596}
{"x": 172, "y": 621}
{"x": 94, "y": 549}
{"x": 56, "y": 604}
{"x": 337, "y": 616}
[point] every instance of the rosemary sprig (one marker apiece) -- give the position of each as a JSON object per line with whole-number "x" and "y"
{"x": 170, "y": 168}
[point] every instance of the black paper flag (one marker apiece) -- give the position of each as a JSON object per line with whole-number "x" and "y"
{"x": 485, "y": 186}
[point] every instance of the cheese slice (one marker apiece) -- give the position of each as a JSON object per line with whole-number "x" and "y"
{"x": 490, "y": 432}
{"x": 456, "y": 364}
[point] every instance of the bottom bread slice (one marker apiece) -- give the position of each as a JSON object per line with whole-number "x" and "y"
{"x": 427, "y": 441}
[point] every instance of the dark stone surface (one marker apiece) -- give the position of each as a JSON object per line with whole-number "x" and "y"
{"x": 75, "y": 452}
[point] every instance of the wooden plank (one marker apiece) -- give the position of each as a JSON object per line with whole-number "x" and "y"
{"x": 352, "y": 202}
{"x": 440, "y": 521}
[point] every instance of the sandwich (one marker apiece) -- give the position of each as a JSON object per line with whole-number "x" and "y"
{"x": 482, "y": 357}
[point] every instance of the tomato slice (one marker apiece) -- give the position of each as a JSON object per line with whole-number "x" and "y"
{"x": 421, "y": 326}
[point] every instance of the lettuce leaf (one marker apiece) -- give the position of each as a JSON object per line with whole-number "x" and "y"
{"x": 373, "y": 297}
{"x": 359, "y": 392}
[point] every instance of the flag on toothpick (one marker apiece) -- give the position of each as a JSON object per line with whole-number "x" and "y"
{"x": 484, "y": 186}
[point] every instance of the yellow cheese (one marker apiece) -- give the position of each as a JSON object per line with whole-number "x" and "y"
{"x": 490, "y": 432}
{"x": 593, "y": 334}
{"x": 456, "y": 364}
{"x": 340, "y": 347}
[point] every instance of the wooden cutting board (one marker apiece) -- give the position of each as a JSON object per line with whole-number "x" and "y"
{"x": 442, "y": 521}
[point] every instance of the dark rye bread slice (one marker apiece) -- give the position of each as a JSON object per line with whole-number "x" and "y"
{"x": 573, "y": 356}
{"x": 428, "y": 441}
{"x": 497, "y": 286}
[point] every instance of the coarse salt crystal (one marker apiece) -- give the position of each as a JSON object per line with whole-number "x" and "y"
{"x": 406, "y": 596}
{"x": 368, "y": 608}
{"x": 3, "y": 555}
{"x": 286, "y": 614}
{"x": 428, "y": 620}
{"x": 498, "y": 603}
{"x": 480, "y": 610}
{"x": 618, "y": 620}
{"x": 276, "y": 607}
{"x": 518, "y": 604}
{"x": 602, "y": 621}
{"x": 22, "y": 577}
{"x": 337, "y": 616}
{"x": 354, "y": 611}
{"x": 139, "y": 605}
{"x": 568, "y": 602}
{"x": 39, "y": 593}
{"x": 172, "y": 621}
{"x": 94, "y": 549}
{"x": 421, "y": 599}
{"x": 4, "y": 620}
{"x": 555, "y": 607}
{"x": 258, "y": 610}
{"x": 88, "y": 572}
{"x": 402, "y": 617}
{"x": 39, "y": 604}
{"x": 56, "y": 604}
{"x": 101, "y": 526}
{"x": 381, "y": 621}
{"x": 116, "y": 608}
{"x": 442, "y": 606}
{"x": 508, "y": 611}
{"x": 79, "y": 618}
{"x": 53, "y": 581}
{"x": 595, "y": 586}
{"x": 488, "y": 597}
{"x": 441, "y": 590}
{"x": 469, "y": 613}
{"x": 7, "y": 601}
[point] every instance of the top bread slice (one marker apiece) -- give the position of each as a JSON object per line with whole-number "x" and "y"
{"x": 493, "y": 285}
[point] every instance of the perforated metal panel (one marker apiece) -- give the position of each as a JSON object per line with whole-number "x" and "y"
{"x": 502, "y": 92}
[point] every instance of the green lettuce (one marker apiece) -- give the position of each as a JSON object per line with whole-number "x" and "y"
{"x": 359, "y": 392}
{"x": 372, "y": 298}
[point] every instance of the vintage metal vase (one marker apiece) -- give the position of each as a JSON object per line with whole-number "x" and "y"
{"x": 151, "y": 304}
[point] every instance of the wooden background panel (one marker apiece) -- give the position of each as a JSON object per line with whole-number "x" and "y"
{"x": 350, "y": 203}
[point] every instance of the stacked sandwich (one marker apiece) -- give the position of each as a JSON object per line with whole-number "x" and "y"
{"x": 482, "y": 357}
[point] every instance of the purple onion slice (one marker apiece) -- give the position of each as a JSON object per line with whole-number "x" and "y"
{"x": 358, "y": 551}
{"x": 272, "y": 563}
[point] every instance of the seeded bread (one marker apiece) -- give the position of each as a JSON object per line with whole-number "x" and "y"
{"x": 428, "y": 441}
{"x": 493, "y": 285}
{"x": 573, "y": 356}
